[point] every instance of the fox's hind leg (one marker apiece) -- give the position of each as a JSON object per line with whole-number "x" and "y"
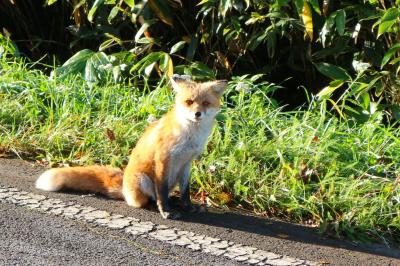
{"x": 137, "y": 190}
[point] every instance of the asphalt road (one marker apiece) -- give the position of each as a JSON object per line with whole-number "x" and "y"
{"x": 33, "y": 238}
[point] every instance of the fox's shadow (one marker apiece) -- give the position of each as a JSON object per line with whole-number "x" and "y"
{"x": 233, "y": 220}
{"x": 257, "y": 225}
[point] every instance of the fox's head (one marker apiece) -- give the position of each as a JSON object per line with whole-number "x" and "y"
{"x": 197, "y": 101}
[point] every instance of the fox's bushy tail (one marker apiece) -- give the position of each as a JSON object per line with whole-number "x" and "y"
{"x": 98, "y": 179}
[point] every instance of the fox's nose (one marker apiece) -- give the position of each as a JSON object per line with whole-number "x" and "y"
{"x": 197, "y": 114}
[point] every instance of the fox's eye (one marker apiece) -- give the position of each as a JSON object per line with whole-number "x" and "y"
{"x": 206, "y": 103}
{"x": 189, "y": 102}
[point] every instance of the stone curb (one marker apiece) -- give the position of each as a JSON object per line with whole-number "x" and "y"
{"x": 133, "y": 226}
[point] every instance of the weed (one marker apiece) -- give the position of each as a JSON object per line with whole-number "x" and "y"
{"x": 306, "y": 166}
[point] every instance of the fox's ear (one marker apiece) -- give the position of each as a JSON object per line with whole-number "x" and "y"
{"x": 180, "y": 82}
{"x": 217, "y": 86}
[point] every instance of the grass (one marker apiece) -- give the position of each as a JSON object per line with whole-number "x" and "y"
{"x": 305, "y": 166}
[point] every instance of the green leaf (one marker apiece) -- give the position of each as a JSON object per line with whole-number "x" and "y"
{"x": 99, "y": 59}
{"x": 197, "y": 70}
{"x": 177, "y": 46}
{"x": 130, "y": 3}
{"x": 147, "y": 61}
{"x": 95, "y": 67}
{"x": 112, "y": 14}
{"x": 94, "y": 8}
{"x": 191, "y": 50}
{"x": 332, "y": 71}
{"x": 167, "y": 65}
{"x": 76, "y": 64}
{"x": 116, "y": 73}
{"x": 327, "y": 91}
{"x": 315, "y": 5}
{"x": 390, "y": 14}
{"x": 149, "y": 68}
{"x": 106, "y": 44}
{"x": 388, "y": 55}
{"x": 327, "y": 28}
{"x": 385, "y": 27}
{"x": 380, "y": 87}
{"x": 388, "y": 20}
{"x": 282, "y": 3}
{"x": 162, "y": 10}
{"x": 50, "y": 2}
{"x": 247, "y": 4}
{"x": 340, "y": 20}
{"x": 224, "y": 6}
{"x": 238, "y": 5}
{"x": 143, "y": 28}
{"x": 90, "y": 72}
{"x": 299, "y": 6}
{"x": 79, "y": 56}
{"x": 365, "y": 100}
{"x": 357, "y": 87}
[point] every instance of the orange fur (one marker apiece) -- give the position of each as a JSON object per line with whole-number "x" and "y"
{"x": 97, "y": 179}
{"x": 162, "y": 156}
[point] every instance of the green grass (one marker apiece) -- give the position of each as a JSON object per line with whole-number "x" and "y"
{"x": 304, "y": 166}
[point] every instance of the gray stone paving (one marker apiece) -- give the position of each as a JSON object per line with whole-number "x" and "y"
{"x": 196, "y": 242}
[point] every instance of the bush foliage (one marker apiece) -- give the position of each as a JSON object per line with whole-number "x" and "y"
{"x": 347, "y": 49}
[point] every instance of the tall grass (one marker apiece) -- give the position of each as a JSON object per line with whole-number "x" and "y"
{"x": 305, "y": 166}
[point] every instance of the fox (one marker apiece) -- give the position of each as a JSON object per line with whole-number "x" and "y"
{"x": 162, "y": 157}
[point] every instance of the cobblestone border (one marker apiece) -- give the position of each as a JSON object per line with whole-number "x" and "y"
{"x": 133, "y": 226}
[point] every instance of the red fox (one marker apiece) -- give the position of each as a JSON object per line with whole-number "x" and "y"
{"x": 161, "y": 158}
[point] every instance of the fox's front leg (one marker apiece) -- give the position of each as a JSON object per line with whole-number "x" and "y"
{"x": 164, "y": 174}
{"x": 184, "y": 188}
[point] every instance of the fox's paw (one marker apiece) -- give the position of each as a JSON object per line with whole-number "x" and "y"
{"x": 170, "y": 215}
{"x": 194, "y": 208}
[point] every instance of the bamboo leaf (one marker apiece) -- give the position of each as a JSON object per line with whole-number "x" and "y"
{"x": 112, "y": 14}
{"x": 50, "y": 2}
{"x": 177, "y": 46}
{"x": 167, "y": 65}
{"x": 130, "y": 3}
{"x": 388, "y": 55}
{"x": 149, "y": 68}
{"x": 327, "y": 91}
{"x": 307, "y": 20}
{"x": 94, "y": 8}
{"x": 76, "y": 64}
{"x": 388, "y": 20}
{"x": 340, "y": 21}
{"x": 90, "y": 72}
{"x": 224, "y": 6}
{"x": 299, "y": 6}
{"x": 146, "y": 61}
{"x": 161, "y": 10}
{"x": 332, "y": 71}
{"x": 315, "y": 6}
{"x": 336, "y": 107}
{"x": 143, "y": 28}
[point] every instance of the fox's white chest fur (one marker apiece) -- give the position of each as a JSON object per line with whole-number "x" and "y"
{"x": 192, "y": 139}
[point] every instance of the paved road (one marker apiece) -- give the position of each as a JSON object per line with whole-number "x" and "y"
{"x": 32, "y": 236}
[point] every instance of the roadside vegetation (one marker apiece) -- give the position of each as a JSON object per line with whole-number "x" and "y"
{"x": 307, "y": 165}
{"x": 309, "y": 129}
